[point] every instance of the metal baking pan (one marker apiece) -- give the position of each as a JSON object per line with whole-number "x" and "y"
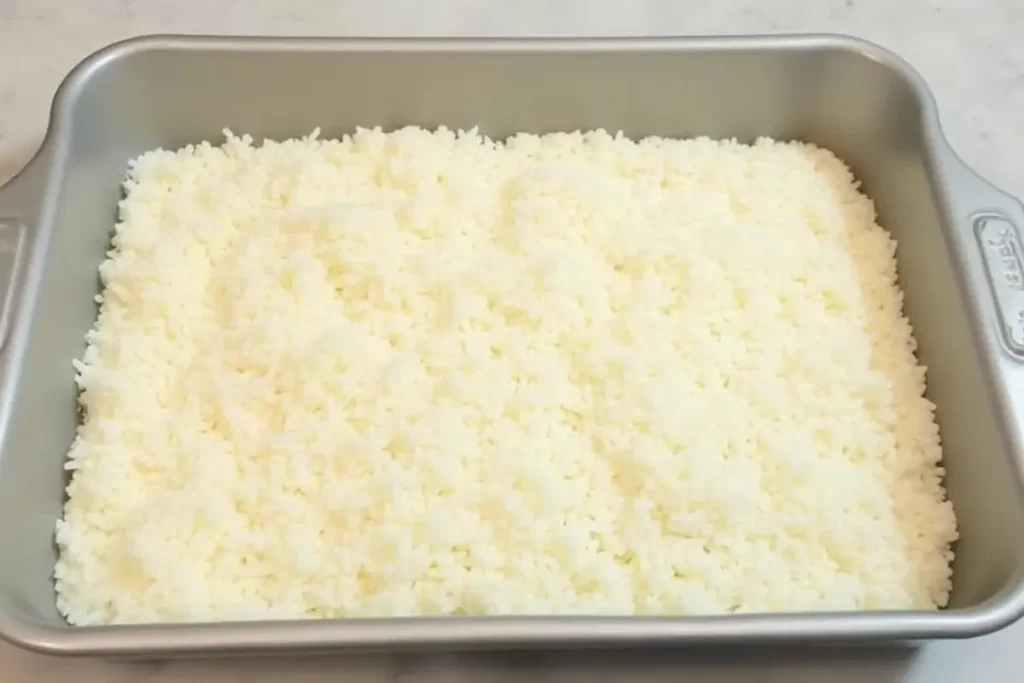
{"x": 961, "y": 260}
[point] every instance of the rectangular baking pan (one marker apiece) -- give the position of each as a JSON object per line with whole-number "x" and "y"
{"x": 960, "y": 257}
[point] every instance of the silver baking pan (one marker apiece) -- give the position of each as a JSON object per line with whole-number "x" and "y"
{"x": 961, "y": 261}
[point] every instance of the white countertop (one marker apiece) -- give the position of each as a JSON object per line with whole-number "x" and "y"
{"x": 970, "y": 51}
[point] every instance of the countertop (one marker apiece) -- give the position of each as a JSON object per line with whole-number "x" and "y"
{"x": 970, "y": 51}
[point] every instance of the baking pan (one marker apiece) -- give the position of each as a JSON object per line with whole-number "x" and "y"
{"x": 961, "y": 260}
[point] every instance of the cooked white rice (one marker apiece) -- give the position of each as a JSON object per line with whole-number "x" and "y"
{"x": 430, "y": 373}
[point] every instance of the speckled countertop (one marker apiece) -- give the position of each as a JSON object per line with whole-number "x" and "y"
{"x": 970, "y": 51}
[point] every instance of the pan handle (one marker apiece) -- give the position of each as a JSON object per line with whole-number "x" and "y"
{"x": 995, "y": 241}
{"x": 21, "y": 195}
{"x": 20, "y": 201}
{"x": 1002, "y": 252}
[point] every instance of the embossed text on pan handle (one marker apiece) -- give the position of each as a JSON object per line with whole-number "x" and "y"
{"x": 1003, "y": 253}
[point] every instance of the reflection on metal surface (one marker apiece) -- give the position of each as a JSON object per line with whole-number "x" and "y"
{"x": 11, "y": 234}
